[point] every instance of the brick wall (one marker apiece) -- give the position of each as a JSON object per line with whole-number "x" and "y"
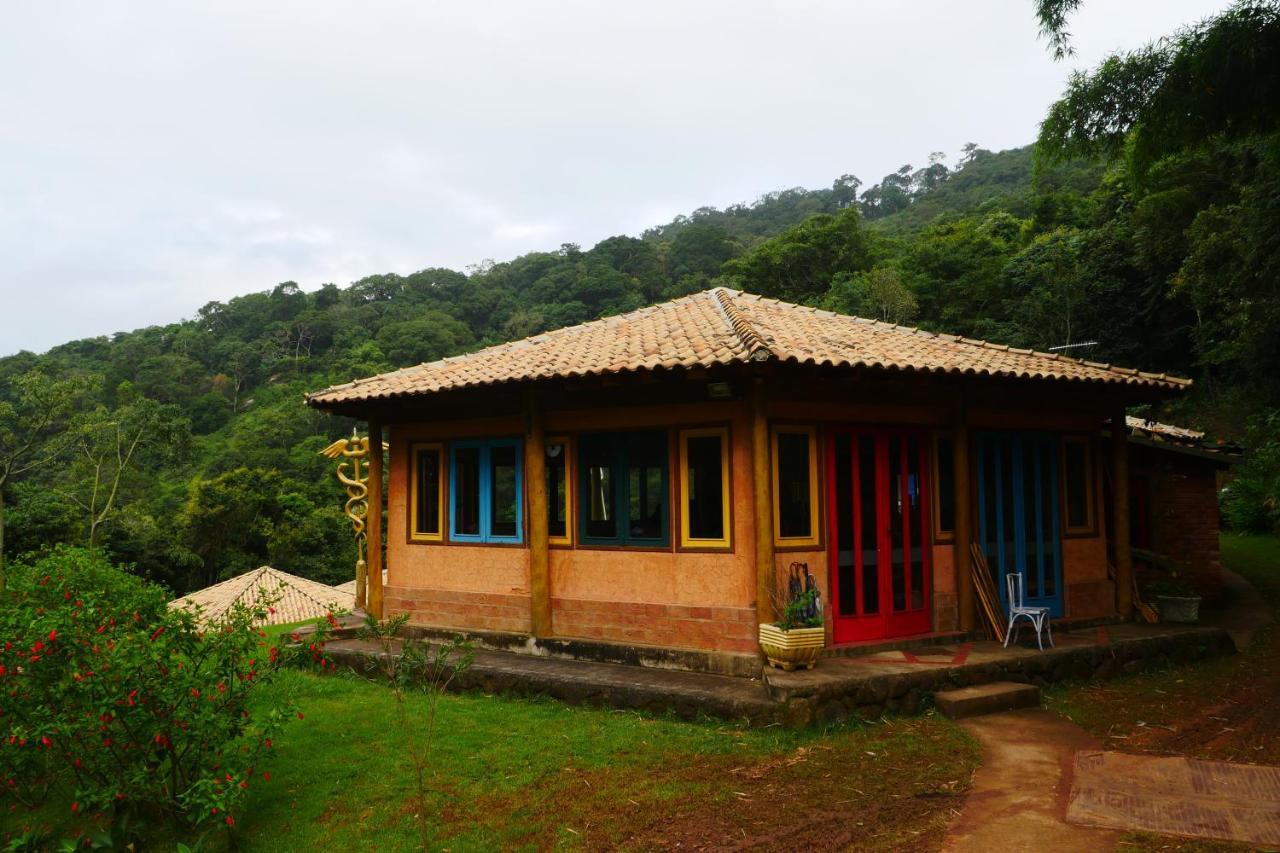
{"x": 1182, "y": 514}
{"x": 724, "y": 629}
{"x": 473, "y": 611}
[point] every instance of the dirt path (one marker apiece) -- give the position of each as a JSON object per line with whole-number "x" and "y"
{"x": 1019, "y": 796}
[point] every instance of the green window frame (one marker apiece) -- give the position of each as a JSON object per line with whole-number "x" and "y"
{"x": 623, "y": 489}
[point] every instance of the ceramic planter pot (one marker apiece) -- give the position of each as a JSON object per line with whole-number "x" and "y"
{"x": 790, "y": 649}
{"x": 1177, "y": 608}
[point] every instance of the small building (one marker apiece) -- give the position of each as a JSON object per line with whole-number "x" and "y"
{"x": 1174, "y": 479}
{"x": 646, "y": 481}
{"x": 291, "y": 598}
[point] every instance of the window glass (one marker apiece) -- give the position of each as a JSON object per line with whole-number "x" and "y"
{"x": 557, "y": 491}
{"x": 794, "y": 485}
{"x": 645, "y": 492}
{"x": 597, "y": 461}
{"x": 705, "y": 484}
{"x": 427, "y": 520}
{"x": 1076, "y": 463}
{"x": 466, "y": 462}
{"x": 945, "y": 480}
{"x": 502, "y": 506}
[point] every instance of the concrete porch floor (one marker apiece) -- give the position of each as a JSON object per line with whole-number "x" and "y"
{"x": 867, "y": 685}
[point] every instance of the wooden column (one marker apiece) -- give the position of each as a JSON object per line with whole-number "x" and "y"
{"x": 535, "y": 474}
{"x": 373, "y": 523}
{"x": 963, "y": 519}
{"x": 762, "y": 494}
{"x": 1120, "y": 512}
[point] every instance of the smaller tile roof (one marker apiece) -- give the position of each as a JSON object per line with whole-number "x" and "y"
{"x": 349, "y": 588}
{"x": 723, "y": 326}
{"x": 1156, "y": 433}
{"x": 299, "y": 599}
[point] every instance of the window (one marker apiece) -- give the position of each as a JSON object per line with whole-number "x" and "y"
{"x": 1077, "y": 483}
{"x": 485, "y": 491}
{"x": 426, "y": 493}
{"x": 704, "y": 488}
{"x": 944, "y": 490}
{"x": 623, "y": 481}
{"x": 795, "y": 486}
{"x": 559, "y": 476}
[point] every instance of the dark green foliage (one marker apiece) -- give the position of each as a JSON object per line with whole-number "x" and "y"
{"x": 1214, "y": 80}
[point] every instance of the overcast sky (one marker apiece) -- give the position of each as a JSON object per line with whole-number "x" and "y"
{"x": 157, "y": 155}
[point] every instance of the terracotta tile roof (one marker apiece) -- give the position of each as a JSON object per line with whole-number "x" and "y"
{"x": 349, "y": 588}
{"x": 299, "y": 598}
{"x": 723, "y": 326}
{"x": 1155, "y": 432}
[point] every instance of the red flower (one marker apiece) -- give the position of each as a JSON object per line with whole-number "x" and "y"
{"x": 266, "y": 776}
{"x": 38, "y": 646}
{"x": 75, "y": 807}
{"x": 299, "y": 715}
{"x": 53, "y": 635}
{"x": 230, "y": 821}
{"x": 157, "y": 633}
{"x": 44, "y": 739}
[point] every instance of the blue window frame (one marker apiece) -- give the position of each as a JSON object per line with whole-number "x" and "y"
{"x": 486, "y": 491}
{"x": 623, "y": 491}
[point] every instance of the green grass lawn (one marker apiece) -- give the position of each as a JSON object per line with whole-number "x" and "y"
{"x": 539, "y": 774}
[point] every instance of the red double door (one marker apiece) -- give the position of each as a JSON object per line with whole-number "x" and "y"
{"x": 878, "y": 503}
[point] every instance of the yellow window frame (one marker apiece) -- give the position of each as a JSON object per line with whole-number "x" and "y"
{"x": 415, "y": 452}
{"x": 1090, "y": 527}
{"x": 726, "y": 497}
{"x": 567, "y": 452}
{"x": 814, "y": 537}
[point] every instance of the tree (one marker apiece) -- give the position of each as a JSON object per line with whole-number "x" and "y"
{"x": 106, "y": 447}
{"x": 799, "y": 264}
{"x": 1215, "y": 80}
{"x": 31, "y": 427}
{"x": 880, "y": 294}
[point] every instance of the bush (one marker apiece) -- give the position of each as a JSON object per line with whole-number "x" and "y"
{"x": 1251, "y": 503}
{"x": 111, "y": 699}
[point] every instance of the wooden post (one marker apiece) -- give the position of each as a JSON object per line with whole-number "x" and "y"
{"x": 1120, "y": 512}
{"x": 373, "y": 523}
{"x": 963, "y": 519}
{"x": 762, "y": 486}
{"x": 535, "y": 472}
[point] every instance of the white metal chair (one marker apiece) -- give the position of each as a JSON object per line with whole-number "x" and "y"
{"x": 1037, "y": 616}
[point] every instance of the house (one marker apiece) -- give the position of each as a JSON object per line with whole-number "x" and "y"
{"x": 645, "y": 481}
{"x": 286, "y": 598}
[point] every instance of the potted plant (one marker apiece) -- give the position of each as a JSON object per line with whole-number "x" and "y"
{"x": 1171, "y": 589}
{"x": 1175, "y": 598}
{"x": 797, "y": 637}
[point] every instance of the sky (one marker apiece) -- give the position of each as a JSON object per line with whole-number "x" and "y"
{"x": 155, "y": 156}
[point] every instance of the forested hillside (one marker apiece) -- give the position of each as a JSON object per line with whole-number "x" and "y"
{"x": 186, "y": 449}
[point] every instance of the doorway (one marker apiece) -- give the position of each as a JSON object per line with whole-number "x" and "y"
{"x": 1018, "y": 514}
{"x": 878, "y": 500}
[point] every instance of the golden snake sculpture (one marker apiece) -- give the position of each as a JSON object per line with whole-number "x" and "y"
{"x": 353, "y": 452}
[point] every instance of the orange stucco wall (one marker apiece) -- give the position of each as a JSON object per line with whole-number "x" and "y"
{"x": 672, "y": 597}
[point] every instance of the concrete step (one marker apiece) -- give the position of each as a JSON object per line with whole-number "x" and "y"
{"x": 990, "y": 698}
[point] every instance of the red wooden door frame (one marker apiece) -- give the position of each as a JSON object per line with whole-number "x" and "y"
{"x": 886, "y": 622}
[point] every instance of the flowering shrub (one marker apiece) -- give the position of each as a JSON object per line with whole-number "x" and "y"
{"x": 123, "y": 705}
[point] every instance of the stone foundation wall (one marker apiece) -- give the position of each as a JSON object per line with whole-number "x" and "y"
{"x": 722, "y": 629}
{"x": 910, "y": 692}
